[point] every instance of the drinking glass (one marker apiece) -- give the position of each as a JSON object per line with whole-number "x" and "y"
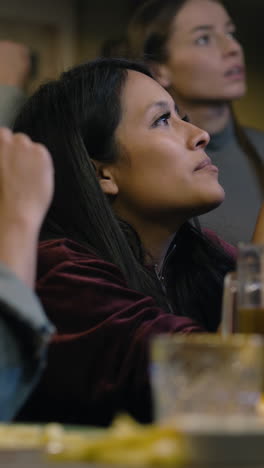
{"x": 206, "y": 374}
{"x": 243, "y": 295}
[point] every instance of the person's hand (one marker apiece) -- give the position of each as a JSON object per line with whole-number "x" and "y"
{"x": 14, "y": 64}
{"x": 26, "y": 180}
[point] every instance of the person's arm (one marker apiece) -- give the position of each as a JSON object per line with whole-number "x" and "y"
{"x": 26, "y": 187}
{"x": 14, "y": 74}
{"x": 24, "y": 335}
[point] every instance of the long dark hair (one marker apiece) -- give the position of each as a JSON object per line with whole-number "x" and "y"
{"x": 147, "y": 33}
{"x": 76, "y": 118}
{"x": 150, "y": 28}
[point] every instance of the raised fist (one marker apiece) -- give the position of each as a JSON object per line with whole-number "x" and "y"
{"x": 26, "y": 180}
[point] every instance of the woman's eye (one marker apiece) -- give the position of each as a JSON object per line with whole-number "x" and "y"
{"x": 232, "y": 34}
{"x": 162, "y": 120}
{"x": 203, "y": 40}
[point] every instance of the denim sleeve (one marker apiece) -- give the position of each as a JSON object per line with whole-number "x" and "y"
{"x": 24, "y": 335}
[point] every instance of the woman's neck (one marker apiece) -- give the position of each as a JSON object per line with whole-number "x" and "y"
{"x": 155, "y": 238}
{"x": 210, "y": 116}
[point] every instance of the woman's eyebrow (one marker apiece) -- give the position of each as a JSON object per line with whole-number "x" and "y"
{"x": 209, "y": 27}
{"x": 164, "y": 106}
{"x": 202, "y": 27}
{"x": 159, "y": 104}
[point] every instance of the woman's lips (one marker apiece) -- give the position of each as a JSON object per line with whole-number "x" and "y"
{"x": 206, "y": 164}
{"x": 235, "y": 72}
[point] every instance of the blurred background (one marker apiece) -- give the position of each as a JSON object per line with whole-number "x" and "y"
{"x": 62, "y": 33}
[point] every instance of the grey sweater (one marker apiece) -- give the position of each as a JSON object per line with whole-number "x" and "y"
{"x": 235, "y": 219}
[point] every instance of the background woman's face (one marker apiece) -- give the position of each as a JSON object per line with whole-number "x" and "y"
{"x": 205, "y": 60}
{"x": 164, "y": 171}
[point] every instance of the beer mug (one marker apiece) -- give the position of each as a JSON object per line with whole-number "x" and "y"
{"x": 243, "y": 295}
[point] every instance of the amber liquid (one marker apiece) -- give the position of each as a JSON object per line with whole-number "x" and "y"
{"x": 250, "y": 320}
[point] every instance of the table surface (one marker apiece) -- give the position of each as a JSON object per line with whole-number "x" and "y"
{"x": 229, "y": 447}
{"x": 87, "y": 465}
{"x": 30, "y": 460}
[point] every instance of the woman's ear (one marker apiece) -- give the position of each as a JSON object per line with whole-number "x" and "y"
{"x": 106, "y": 179}
{"x": 162, "y": 73}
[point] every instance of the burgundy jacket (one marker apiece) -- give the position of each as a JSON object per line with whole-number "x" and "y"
{"x": 98, "y": 360}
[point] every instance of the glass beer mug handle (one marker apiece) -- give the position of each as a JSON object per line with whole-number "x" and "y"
{"x": 228, "y": 324}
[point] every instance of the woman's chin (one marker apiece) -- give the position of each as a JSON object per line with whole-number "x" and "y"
{"x": 212, "y": 202}
{"x": 220, "y": 197}
{"x": 236, "y": 91}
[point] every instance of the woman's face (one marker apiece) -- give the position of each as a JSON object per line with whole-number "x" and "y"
{"x": 163, "y": 173}
{"x": 205, "y": 61}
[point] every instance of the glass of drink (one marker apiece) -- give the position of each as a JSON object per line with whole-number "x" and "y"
{"x": 206, "y": 375}
{"x": 243, "y": 296}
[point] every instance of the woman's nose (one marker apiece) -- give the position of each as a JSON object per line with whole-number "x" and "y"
{"x": 199, "y": 138}
{"x": 231, "y": 46}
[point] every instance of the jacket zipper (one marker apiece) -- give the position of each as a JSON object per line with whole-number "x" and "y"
{"x": 161, "y": 277}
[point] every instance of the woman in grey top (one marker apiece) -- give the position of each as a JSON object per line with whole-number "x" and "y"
{"x": 192, "y": 49}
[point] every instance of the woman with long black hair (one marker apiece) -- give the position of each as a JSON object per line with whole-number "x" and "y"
{"x": 119, "y": 261}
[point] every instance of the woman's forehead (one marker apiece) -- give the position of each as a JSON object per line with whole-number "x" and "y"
{"x": 195, "y": 13}
{"x": 141, "y": 92}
